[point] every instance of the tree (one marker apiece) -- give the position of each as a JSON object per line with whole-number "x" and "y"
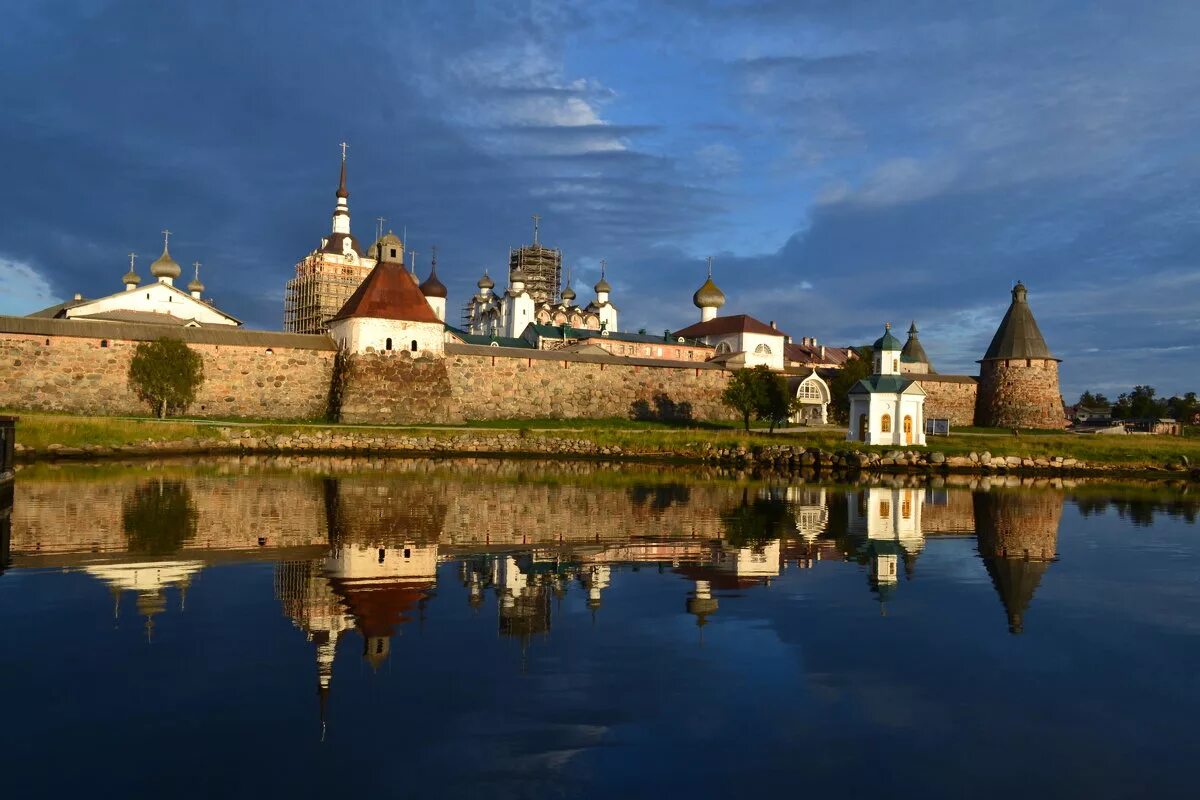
{"x": 1183, "y": 408}
{"x": 775, "y": 402}
{"x": 743, "y": 394}
{"x": 159, "y": 517}
{"x": 165, "y": 374}
{"x": 1096, "y": 400}
{"x": 758, "y": 393}
{"x": 1140, "y": 404}
{"x": 854, "y": 370}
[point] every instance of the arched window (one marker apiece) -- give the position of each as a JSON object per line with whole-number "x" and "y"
{"x": 413, "y": 346}
{"x": 762, "y": 350}
{"x": 494, "y": 344}
{"x": 906, "y": 507}
{"x": 387, "y": 345}
{"x": 895, "y": 365}
{"x": 723, "y": 348}
{"x": 885, "y": 423}
{"x": 809, "y": 391}
{"x": 885, "y": 508}
{"x": 104, "y": 342}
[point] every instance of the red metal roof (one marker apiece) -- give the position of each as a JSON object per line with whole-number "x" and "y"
{"x": 738, "y": 323}
{"x": 388, "y": 292}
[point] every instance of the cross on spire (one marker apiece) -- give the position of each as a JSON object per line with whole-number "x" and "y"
{"x": 379, "y": 228}
{"x": 603, "y": 266}
{"x": 196, "y": 264}
{"x": 412, "y": 256}
{"x": 709, "y": 266}
{"x": 344, "y": 147}
{"x": 166, "y": 238}
{"x": 433, "y": 250}
{"x": 537, "y": 218}
{"x": 132, "y": 258}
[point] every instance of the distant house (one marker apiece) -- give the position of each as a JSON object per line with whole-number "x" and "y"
{"x": 807, "y": 354}
{"x": 1159, "y": 427}
{"x": 1090, "y": 415}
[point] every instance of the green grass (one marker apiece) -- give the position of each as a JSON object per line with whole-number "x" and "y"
{"x": 38, "y": 431}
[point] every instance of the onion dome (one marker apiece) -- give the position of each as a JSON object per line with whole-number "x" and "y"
{"x": 887, "y": 341}
{"x": 195, "y": 285}
{"x": 568, "y": 294}
{"x": 432, "y": 287}
{"x": 602, "y": 285}
{"x": 518, "y": 276}
{"x": 165, "y": 266}
{"x": 131, "y": 277}
{"x": 486, "y": 282}
{"x": 708, "y": 295}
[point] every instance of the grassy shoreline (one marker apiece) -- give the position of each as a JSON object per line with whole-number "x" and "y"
{"x": 39, "y": 431}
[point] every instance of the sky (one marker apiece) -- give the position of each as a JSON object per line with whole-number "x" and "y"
{"x": 844, "y": 162}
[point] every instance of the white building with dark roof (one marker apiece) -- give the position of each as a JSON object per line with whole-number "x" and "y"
{"x": 159, "y": 302}
{"x": 887, "y": 408}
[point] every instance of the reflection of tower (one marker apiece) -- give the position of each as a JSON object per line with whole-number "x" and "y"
{"x": 379, "y": 586}
{"x": 810, "y": 507}
{"x": 596, "y": 580}
{"x": 308, "y": 598}
{"x": 149, "y": 580}
{"x": 755, "y": 564}
{"x": 1018, "y": 539}
{"x": 891, "y": 518}
{"x": 524, "y": 601}
{"x": 6, "y": 508}
{"x": 701, "y": 603}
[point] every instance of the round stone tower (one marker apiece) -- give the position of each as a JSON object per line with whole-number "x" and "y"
{"x": 1018, "y": 376}
{"x": 1018, "y": 540}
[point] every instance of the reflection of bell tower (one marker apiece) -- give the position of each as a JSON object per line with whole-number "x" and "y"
{"x": 1018, "y": 539}
{"x": 701, "y": 604}
{"x": 596, "y": 580}
{"x": 307, "y": 596}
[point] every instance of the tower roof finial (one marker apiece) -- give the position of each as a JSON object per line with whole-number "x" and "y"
{"x": 537, "y": 218}
{"x": 342, "y": 192}
{"x": 196, "y": 285}
{"x": 131, "y": 277}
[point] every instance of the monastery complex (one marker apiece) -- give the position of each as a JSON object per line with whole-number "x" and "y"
{"x": 366, "y": 340}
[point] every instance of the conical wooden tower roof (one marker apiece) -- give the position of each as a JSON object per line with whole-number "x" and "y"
{"x": 1018, "y": 335}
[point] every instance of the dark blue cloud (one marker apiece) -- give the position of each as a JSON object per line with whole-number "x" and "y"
{"x": 846, "y": 163}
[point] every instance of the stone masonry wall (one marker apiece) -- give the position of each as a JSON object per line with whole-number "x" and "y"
{"x": 394, "y": 388}
{"x": 1020, "y": 394}
{"x": 952, "y": 400}
{"x": 497, "y": 387}
{"x": 78, "y": 375}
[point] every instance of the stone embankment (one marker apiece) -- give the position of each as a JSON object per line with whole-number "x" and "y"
{"x": 781, "y": 458}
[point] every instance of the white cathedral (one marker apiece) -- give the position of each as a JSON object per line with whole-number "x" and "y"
{"x": 510, "y": 312}
{"x": 158, "y": 302}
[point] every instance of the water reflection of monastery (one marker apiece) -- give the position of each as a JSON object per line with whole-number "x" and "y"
{"x": 360, "y": 555}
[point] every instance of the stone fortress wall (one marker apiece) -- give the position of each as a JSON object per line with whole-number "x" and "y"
{"x": 949, "y": 397}
{"x": 81, "y": 367}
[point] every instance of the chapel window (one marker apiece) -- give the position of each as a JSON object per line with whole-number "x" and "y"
{"x": 387, "y": 345}
{"x": 413, "y": 347}
{"x": 885, "y": 424}
{"x": 762, "y": 350}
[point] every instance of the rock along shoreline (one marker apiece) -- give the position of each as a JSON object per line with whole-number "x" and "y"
{"x": 516, "y": 444}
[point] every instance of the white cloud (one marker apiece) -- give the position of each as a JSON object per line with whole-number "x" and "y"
{"x": 22, "y": 288}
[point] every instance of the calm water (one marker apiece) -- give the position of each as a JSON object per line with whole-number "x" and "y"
{"x": 508, "y": 629}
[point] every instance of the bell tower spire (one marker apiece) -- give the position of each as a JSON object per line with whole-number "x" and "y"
{"x": 341, "y": 213}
